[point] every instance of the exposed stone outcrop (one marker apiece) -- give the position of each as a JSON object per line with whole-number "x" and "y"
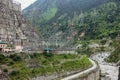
{"x": 14, "y": 29}
{"x": 12, "y": 4}
{"x": 3, "y": 77}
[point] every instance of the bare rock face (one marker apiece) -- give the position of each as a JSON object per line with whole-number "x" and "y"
{"x": 12, "y": 4}
{"x": 14, "y": 29}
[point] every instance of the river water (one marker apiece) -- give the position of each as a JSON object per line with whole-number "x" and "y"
{"x": 108, "y": 71}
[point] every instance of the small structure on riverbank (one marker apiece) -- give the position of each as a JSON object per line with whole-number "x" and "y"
{"x": 48, "y": 50}
{"x": 3, "y": 45}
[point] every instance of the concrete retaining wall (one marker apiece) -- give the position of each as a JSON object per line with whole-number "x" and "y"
{"x": 93, "y": 75}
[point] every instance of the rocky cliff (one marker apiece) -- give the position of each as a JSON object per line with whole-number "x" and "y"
{"x": 14, "y": 29}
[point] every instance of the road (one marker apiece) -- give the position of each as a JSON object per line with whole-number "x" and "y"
{"x": 108, "y": 71}
{"x": 83, "y": 72}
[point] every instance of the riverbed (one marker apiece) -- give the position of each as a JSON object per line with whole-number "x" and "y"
{"x": 109, "y": 71}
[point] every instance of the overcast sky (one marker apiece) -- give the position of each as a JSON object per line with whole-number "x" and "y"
{"x": 25, "y": 3}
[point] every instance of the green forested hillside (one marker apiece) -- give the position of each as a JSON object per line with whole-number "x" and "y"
{"x": 79, "y": 19}
{"x": 101, "y": 22}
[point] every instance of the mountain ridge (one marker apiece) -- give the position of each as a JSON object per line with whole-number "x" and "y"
{"x": 77, "y": 13}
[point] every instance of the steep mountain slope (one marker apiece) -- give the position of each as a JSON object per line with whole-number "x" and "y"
{"x": 47, "y": 13}
{"x": 101, "y": 22}
{"x": 14, "y": 29}
{"x": 89, "y": 19}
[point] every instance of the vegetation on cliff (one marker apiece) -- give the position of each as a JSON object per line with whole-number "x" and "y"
{"x": 115, "y": 55}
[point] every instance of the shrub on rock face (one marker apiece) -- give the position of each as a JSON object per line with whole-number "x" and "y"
{"x": 5, "y": 70}
{"x": 15, "y": 57}
{"x": 115, "y": 55}
{"x": 103, "y": 42}
{"x": 3, "y": 59}
{"x": 10, "y": 63}
{"x": 48, "y": 52}
{"x": 14, "y": 73}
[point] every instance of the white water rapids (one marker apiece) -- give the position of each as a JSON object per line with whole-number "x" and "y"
{"x": 108, "y": 71}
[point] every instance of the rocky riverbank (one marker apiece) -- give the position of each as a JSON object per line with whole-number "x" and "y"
{"x": 109, "y": 71}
